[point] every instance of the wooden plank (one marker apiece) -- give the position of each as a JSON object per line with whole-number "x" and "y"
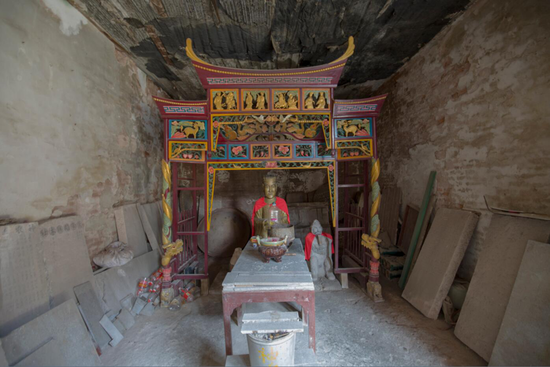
{"x": 389, "y": 211}
{"x": 417, "y": 229}
{"x": 407, "y": 229}
{"x": 424, "y": 229}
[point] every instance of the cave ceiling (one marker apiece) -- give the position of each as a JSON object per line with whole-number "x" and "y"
{"x": 270, "y": 34}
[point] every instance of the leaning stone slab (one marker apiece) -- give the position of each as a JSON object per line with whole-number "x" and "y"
{"x": 439, "y": 260}
{"x": 24, "y": 290}
{"x": 524, "y": 335}
{"x": 493, "y": 280}
{"x": 58, "y": 337}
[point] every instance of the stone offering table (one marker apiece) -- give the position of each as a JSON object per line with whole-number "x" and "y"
{"x": 252, "y": 280}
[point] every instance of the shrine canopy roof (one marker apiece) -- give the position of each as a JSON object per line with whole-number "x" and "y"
{"x": 212, "y": 76}
{"x": 191, "y": 109}
{"x": 358, "y": 107}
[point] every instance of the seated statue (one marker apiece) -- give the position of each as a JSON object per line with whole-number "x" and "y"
{"x": 319, "y": 250}
{"x": 269, "y": 209}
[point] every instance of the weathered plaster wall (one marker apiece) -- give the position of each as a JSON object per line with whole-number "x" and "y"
{"x": 474, "y": 105}
{"x": 79, "y": 132}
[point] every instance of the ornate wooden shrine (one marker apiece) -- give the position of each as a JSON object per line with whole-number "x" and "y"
{"x": 264, "y": 119}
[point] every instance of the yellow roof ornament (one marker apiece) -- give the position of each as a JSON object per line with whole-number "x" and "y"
{"x": 193, "y": 56}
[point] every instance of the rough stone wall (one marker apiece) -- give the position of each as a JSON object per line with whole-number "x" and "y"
{"x": 79, "y": 132}
{"x": 473, "y": 105}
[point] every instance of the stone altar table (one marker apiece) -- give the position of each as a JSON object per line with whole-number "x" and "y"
{"x": 252, "y": 280}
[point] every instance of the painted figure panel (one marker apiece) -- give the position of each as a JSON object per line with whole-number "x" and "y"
{"x": 282, "y": 151}
{"x": 322, "y": 150}
{"x": 188, "y": 129}
{"x": 304, "y": 150}
{"x": 220, "y": 152}
{"x": 286, "y": 99}
{"x": 255, "y": 99}
{"x": 354, "y": 149}
{"x": 316, "y": 99}
{"x": 224, "y": 100}
{"x": 261, "y": 151}
{"x": 186, "y": 152}
{"x": 238, "y": 151}
{"x": 353, "y": 128}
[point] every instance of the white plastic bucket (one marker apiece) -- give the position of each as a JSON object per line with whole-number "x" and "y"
{"x": 278, "y": 352}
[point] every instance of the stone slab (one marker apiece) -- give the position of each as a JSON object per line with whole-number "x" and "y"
{"x": 139, "y": 305}
{"x": 130, "y": 230}
{"x": 493, "y": 279}
{"x": 23, "y": 281}
{"x": 128, "y": 302}
{"x": 148, "y": 310}
{"x": 524, "y": 335}
{"x": 439, "y": 260}
{"x": 46, "y": 355}
{"x": 92, "y": 311}
{"x": 66, "y": 256}
{"x": 62, "y": 325}
{"x": 126, "y": 318}
{"x": 114, "y": 284}
{"x": 152, "y": 224}
{"x": 112, "y": 330}
{"x": 120, "y": 326}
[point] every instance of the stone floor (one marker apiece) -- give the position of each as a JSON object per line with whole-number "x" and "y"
{"x": 351, "y": 330}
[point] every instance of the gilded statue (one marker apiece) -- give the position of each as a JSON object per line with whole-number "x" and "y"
{"x": 281, "y": 102}
{"x": 321, "y": 101}
{"x": 218, "y": 101}
{"x": 248, "y": 101}
{"x": 230, "y": 101}
{"x": 292, "y": 101}
{"x": 269, "y": 210}
{"x": 308, "y": 103}
{"x": 260, "y": 101}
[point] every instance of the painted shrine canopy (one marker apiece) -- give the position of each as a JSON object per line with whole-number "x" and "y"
{"x": 270, "y": 119}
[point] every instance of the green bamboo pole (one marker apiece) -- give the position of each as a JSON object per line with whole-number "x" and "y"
{"x": 417, "y": 230}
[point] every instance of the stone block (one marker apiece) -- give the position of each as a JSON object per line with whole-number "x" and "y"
{"x": 493, "y": 280}
{"x": 111, "y": 329}
{"x": 439, "y": 260}
{"x": 126, "y": 318}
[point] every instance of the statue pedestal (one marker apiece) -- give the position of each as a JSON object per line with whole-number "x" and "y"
{"x": 324, "y": 285}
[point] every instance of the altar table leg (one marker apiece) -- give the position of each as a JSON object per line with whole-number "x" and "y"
{"x": 308, "y": 314}
{"x": 228, "y": 308}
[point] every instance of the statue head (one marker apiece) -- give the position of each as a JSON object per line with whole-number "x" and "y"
{"x": 316, "y": 228}
{"x": 270, "y": 186}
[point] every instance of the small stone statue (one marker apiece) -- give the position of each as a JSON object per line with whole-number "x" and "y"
{"x": 319, "y": 250}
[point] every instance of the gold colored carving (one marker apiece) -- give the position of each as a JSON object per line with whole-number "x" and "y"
{"x": 308, "y": 103}
{"x": 224, "y": 100}
{"x": 372, "y": 244}
{"x": 171, "y": 250}
{"x": 287, "y": 99}
{"x": 321, "y": 102}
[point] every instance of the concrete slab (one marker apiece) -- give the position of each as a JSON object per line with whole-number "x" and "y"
{"x": 128, "y": 302}
{"x": 114, "y": 284}
{"x": 46, "y": 355}
{"x": 23, "y": 280}
{"x": 120, "y": 326}
{"x": 66, "y": 257}
{"x": 72, "y": 345}
{"x": 111, "y": 329}
{"x": 92, "y": 311}
{"x": 139, "y": 305}
{"x": 439, "y": 259}
{"x": 493, "y": 280}
{"x": 524, "y": 335}
{"x": 148, "y": 310}
{"x": 130, "y": 230}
